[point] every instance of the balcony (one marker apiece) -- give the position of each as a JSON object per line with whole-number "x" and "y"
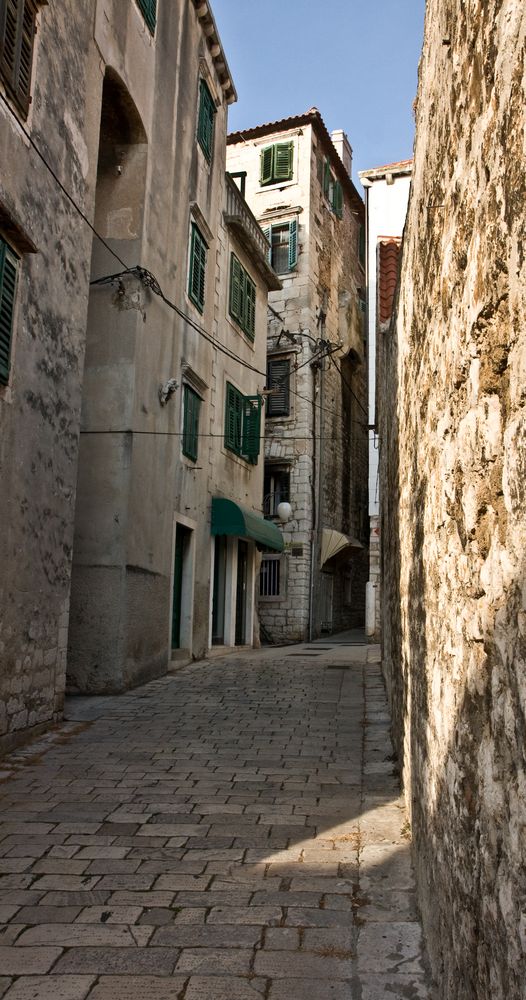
{"x": 243, "y": 224}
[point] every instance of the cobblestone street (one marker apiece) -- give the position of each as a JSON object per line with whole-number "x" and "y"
{"x": 233, "y": 831}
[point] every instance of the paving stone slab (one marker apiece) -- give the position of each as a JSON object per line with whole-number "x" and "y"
{"x": 214, "y": 961}
{"x": 307, "y": 989}
{"x": 115, "y": 961}
{"x": 224, "y": 988}
{"x": 206, "y": 936}
{"x": 288, "y": 965}
{"x": 109, "y": 915}
{"x": 138, "y": 988}
{"x": 50, "y": 988}
{"x": 21, "y": 961}
{"x": 4, "y": 985}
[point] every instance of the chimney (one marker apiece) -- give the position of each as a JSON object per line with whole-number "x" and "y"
{"x": 343, "y": 148}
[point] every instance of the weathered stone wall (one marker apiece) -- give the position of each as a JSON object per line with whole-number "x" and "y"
{"x": 40, "y": 406}
{"x": 454, "y": 488}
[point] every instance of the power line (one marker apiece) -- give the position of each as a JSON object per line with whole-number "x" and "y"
{"x": 148, "y": 278}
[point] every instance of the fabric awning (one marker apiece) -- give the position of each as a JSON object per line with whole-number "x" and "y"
{"x": 333, "y": 542}
{"x": 230, "y": 518}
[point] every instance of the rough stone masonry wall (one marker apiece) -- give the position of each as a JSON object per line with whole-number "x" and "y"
{"x": 454, "y": 483}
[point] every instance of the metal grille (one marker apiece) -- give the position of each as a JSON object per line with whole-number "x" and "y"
{"x": 269, "y": 576}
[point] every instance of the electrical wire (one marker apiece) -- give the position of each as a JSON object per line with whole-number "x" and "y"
{"x": 345, "y": 382}
{"x": 154, "y": 283}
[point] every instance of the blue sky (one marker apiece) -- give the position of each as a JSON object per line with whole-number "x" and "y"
{"x": 356, "y": 60}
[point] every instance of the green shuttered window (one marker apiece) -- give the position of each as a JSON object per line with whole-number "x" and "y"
{"x": 148, "y": 9}
{"x": 17, "y": 33}
{"x": 242, "y": 424}
{"x": 242, "y": 297}
{"x": 283, "y": 239}
{"x": 191, "y": 407}
{"x": 278, "y": 381}
{"x": 332, "y": 190}
{"x": 8, "y": 273}
{"x": 276, "y": 163}
{"x": 205, "y": 121}
{"x": 197, "y": 272}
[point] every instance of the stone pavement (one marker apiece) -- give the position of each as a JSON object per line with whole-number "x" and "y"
{"x": 233, "y": 831}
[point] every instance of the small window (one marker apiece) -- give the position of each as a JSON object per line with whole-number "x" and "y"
{"x": 242, "y": 297}
{"x": 332, "y": 190}
{"x": 283, "y": 239}
{"x": 191, "y": 407}
{"x": 276, "y": 489}
{"x": 278, "y": 384}
{"x": 197, "y": 272}
{"x": 148, "y": 10}
{"x": 205, "y": 122}
{"x": 270, "y": 576}
{"x": 8, "y": 274}
{"x": 242, "y": 424}
{"x": 276, "y": 163}
{"x": 17, "y": 34}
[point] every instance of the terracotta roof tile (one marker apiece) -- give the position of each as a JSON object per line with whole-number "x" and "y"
{"x": 388, "y": 264}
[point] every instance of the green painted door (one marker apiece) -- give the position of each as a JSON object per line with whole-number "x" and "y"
{"x": 178, "y": 587}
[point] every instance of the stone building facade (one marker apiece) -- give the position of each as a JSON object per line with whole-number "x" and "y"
{"x": 386, "y": 197}
{"x": 121, "y": 355}
{"x": 453, "y": 480}
{"x": 297, "y": 181}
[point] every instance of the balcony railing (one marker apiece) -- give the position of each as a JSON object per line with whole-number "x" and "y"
{"x": 239, "y": 216}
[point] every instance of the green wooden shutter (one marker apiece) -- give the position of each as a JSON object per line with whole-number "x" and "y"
{"x": 278, "y": 379}
{"x": 205, "y": 123}
{"x": 361, "y": 244}
{"x": 283, "y": 155}
{"x": 8, "y": 271}
{"x": 338, "y": 200}
{"x": 293, "y": 244}
{"x": 236, "y": 292}
{"x": 233, "y": 418}
{"x": 267, "y": 232}
{"x": 250, "y": 308}
{"x": 196, "y": 280}
{"x": 266, "y": 165}
{"x": 327, "y": 178}
{"x": 149, "y": 12}
{"x": 251, "y": 428}
{"x": 191, "y": 407}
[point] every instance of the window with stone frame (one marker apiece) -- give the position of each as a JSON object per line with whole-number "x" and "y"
{"x": 276, "y": 488}
{"x": 276, "y": 163}
{"x": 278, "y": 387}
{"x": 283, "y": 239}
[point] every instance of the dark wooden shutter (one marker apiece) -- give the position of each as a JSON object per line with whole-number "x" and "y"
{"x": 17, "y": 33}
{"x": 283, "y": 153}
{"x": 278, "y": 379}
{"x": 267, "y": 233}
{"x": 8, "y": 271}
{"x": 293, "y": 244}
{"x": 251, "y": 428}
{"x": 327, "y": 178}
{"x": 205, "y": 124}
{"x": 250, "y": 307}
{"x": 236, "y": 293}
{"x": 233, "y": 418}
{"x": 191, "y": 407}
{"x": 266, "y": 165}
{"x": 196, "y": 284}
{"x": 338, "y": 200}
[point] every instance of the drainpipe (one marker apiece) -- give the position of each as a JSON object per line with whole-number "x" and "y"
{"x": 318, "y": 482}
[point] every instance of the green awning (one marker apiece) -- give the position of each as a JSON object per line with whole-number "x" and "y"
{"x": 230, "y": 518}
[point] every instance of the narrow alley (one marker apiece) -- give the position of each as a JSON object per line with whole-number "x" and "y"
{"x": 230, "y": 832}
